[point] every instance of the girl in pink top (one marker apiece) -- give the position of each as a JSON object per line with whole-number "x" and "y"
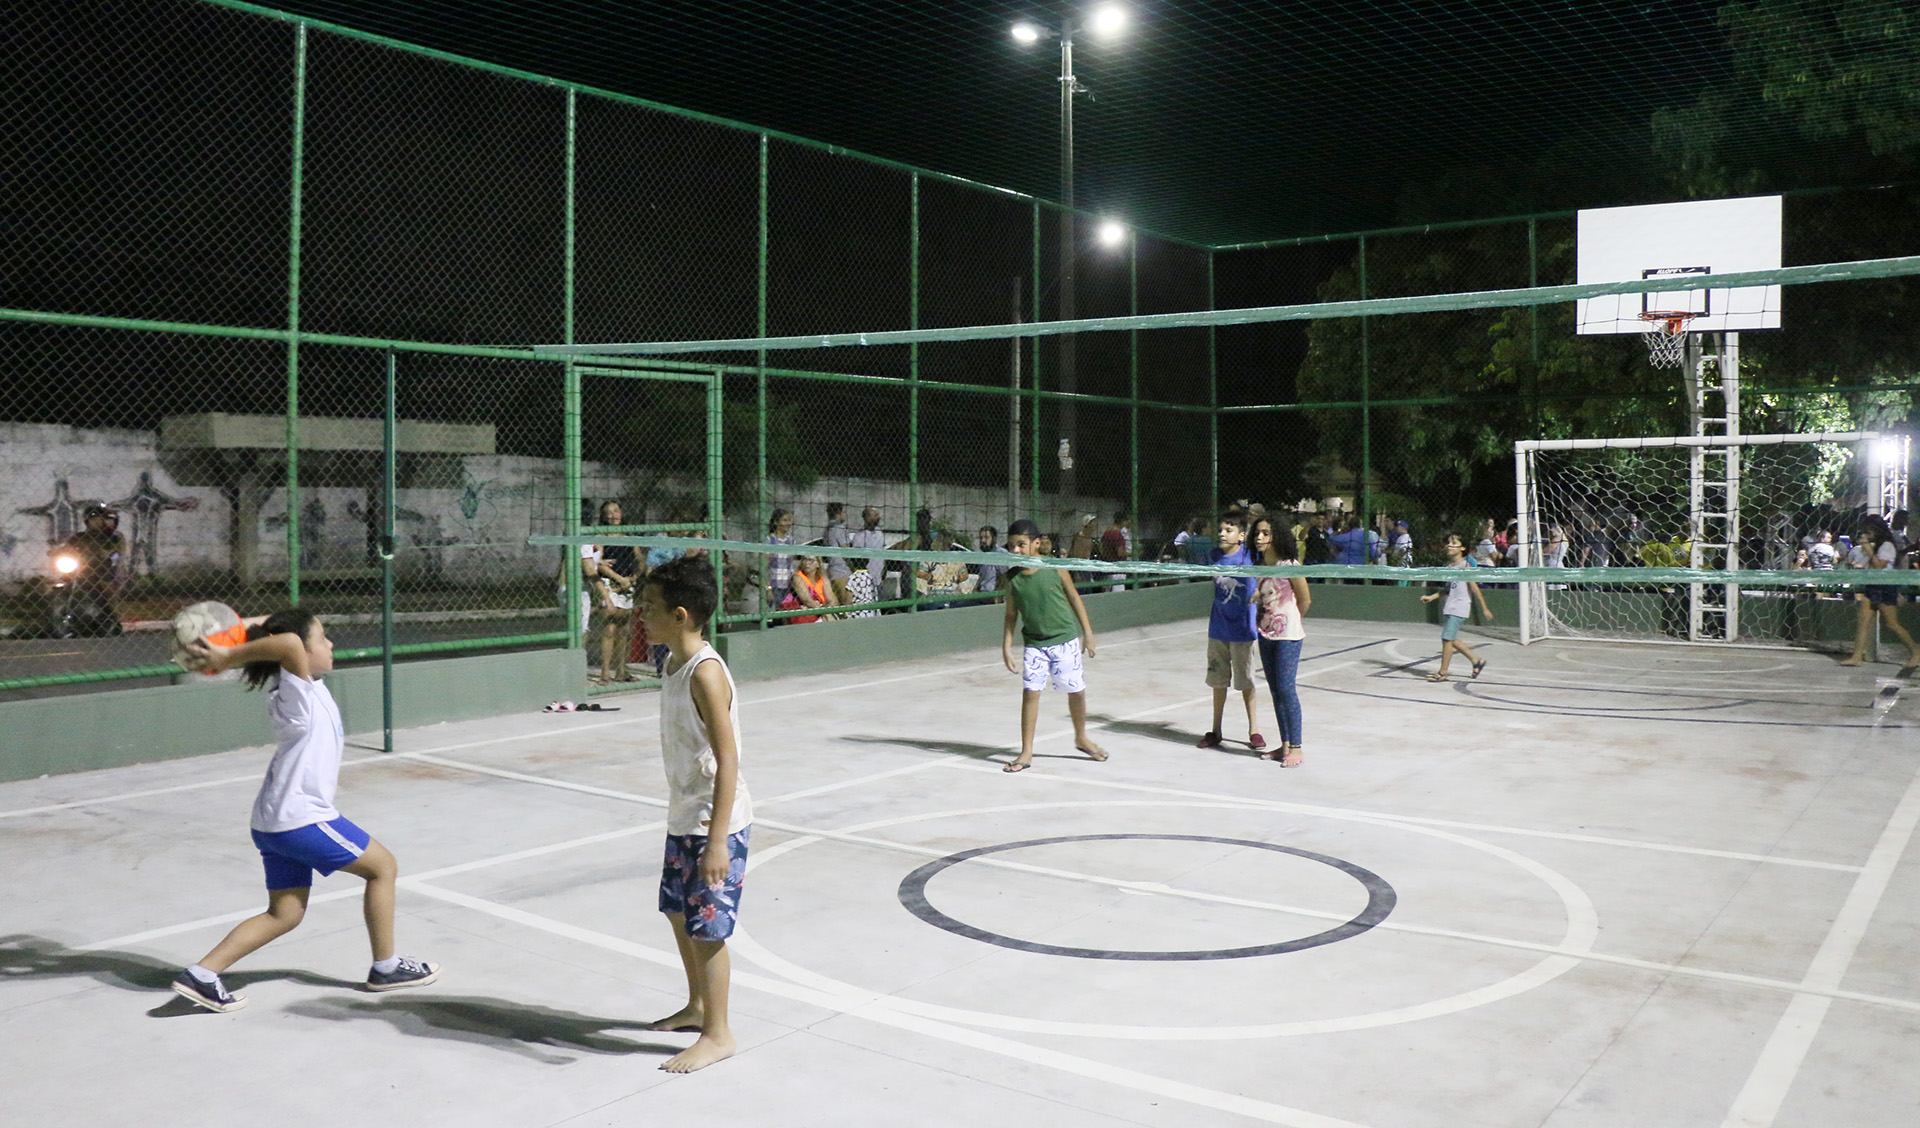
{"x": 1279, "y": 604}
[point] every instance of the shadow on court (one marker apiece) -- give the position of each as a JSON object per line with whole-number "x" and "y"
{"x": 1152, "y": 730}
{"x": 945, "y": 747}
{"x": 996, "y": 753}
{"x": 515, "y": 1027}
{"x": 35, "y": 957}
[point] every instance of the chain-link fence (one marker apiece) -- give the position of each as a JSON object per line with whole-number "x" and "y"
{"x": 224, "y": 225}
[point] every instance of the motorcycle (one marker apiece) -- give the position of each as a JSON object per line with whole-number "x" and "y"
{"x": 78, "y": 603}
{"x": 70, "y": 601}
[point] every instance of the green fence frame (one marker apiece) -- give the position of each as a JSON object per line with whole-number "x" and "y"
{"x": 1030, "y": 394}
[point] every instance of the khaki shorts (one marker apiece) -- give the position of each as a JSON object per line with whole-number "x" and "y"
{"x": 1229, "y": 663}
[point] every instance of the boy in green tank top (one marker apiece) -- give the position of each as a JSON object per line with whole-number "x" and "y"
{"x": 1052, "y": 622}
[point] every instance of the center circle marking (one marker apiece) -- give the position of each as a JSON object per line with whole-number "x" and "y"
{"x": 1583, "y": 929}
{"x": 1380, "y": 902}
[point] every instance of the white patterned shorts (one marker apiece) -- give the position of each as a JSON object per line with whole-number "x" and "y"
{"x": 1060, "y": 663}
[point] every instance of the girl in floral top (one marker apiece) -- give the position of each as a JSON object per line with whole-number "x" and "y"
{"x": 1279, "y": 605}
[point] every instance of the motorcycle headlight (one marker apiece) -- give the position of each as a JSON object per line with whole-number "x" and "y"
{"x": 66, "y": 565}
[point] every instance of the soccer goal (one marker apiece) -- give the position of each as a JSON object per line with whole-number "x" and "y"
{"x": 1704, "y": 502}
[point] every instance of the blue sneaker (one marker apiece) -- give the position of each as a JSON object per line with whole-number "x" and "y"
{"x": 213, "y": 996}
{"x": 410, "y": 973}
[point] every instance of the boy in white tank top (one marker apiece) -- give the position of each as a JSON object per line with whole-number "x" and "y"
{"x": 701, "y": 876}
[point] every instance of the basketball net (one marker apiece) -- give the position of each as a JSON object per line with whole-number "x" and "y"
{"x": 1666, "y": 336}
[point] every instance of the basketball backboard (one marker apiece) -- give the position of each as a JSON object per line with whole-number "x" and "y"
{"x": 1679, "y": 247}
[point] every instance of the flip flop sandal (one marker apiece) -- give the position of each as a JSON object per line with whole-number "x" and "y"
{"x": 1016, "y": 767}
{"x": 1436, "y": 677}
{"x": 559, "y": 707}
{"x": 596, "y": 707}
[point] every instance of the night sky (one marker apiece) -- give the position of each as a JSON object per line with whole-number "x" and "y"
{"x": 1216, "y": 122}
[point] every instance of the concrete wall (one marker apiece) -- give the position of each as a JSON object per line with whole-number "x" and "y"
{"x": 465, "y": 518}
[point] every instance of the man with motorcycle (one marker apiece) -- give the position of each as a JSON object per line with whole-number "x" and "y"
{"x": 89, "y": 571}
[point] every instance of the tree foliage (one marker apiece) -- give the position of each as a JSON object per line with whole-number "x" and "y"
{"x": 1840, "y": 81}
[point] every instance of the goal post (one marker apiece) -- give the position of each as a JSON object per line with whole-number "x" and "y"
{"x": 1709, "y": 502}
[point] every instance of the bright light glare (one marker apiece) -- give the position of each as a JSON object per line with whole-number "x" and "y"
{"x": 67, "y": 565}
{"x": 1026, "y": 33}
{"x": 1113, "y": 233}
{"x": 1892, "y": 452}
{"x": 1108, "y": 19}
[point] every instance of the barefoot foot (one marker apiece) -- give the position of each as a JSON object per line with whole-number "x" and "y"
{"x": 688, "y": 1017}
{"x": 1853, "y": 661}
{"x": 701, "y": 1054}
{"x": 1093, "y": 751}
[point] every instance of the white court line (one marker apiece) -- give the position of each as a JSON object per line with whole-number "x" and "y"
{"x": 1786, "y": 1050}
{"x": 1310, "y": 809}
{"x": 254, "y": 777}
{"x": 464, "y": 867}
{"x": 342, "y": 894}
{"x": 384, "y": 758}
{"x": 863, "y": 1008}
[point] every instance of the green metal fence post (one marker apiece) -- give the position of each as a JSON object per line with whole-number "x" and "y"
{"x": 913, "y": 352}
{"x": 766, "y": 593}
{"x": 575, "y": 583}
{"x": 1533, "y": 333}
{"x": 1033, "y": 461}
{"x": 1133, "y": 389}
{"x": 1213, "y": 403}
{"x": 1366, "y": 409}
{"x": 389, "y": 502}
{"x": 293, "y": 315}
{"x": 716, "y": 468}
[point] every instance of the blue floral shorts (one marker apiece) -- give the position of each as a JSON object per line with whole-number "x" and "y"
{"x": 710, "y": 910}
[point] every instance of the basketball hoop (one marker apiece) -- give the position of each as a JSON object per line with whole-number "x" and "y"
{"x": 1666, "y": 336}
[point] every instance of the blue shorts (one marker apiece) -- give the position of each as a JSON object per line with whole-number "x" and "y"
{"x": 710, "y": 910}
{"x": 291, "y": 856}
{"x": 1450, "y": 627}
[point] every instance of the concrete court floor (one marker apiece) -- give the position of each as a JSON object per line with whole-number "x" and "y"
{"x": 1609, "y": 885}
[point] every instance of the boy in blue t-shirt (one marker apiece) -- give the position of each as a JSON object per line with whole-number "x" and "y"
{"x": 1230, "y": 633}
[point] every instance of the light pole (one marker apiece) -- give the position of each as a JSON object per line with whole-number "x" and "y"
{"x": 1104, "y": 21}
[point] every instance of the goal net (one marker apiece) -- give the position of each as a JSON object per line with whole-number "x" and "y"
{"x": 1766, "y": 502}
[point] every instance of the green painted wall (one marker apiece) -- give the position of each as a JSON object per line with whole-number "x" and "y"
{"x": 78, "y": 733}
{"x": 58, "y": 735}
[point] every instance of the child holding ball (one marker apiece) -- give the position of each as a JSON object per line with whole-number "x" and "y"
{"x": 295, "y": 825}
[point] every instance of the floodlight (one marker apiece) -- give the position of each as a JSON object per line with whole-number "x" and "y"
{"x": 1026, "y": 33}
{"x": 1112, "y": 233}
{"x": 1107, "y": 19}
{"x": 1893, "y": 451}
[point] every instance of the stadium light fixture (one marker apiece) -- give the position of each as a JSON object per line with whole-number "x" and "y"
{"x": 1112, "y": 233}
{"x": 1026, "y": 33}
{"x": 1107, "y": 20}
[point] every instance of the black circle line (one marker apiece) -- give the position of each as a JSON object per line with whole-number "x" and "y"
{"x": 1380, "y": 902}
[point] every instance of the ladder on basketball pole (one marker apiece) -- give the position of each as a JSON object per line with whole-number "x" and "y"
{"x": 1713, "y": 485}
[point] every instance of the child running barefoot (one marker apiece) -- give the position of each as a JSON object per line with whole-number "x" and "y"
{"x": 701, "y": 879}
{"x": 1052, "y": 621}
{"x": 1456, "y": 610}
{"x": 294, "y": 821}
